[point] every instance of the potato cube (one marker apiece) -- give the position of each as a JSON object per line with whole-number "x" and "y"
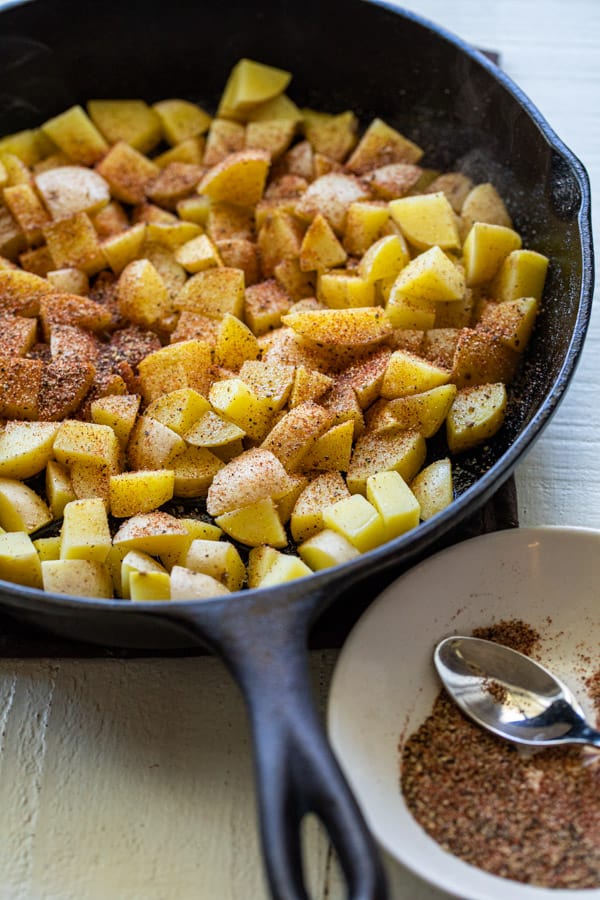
{"x": 214, "y": 292}
{"x": 195, "y": 529}
{"x": 330, "y": 135}
{"x": 264, "y": 304}
{"x": 195, "y": 469}
{"x": 59, "y": 489}
{"x": 87, "y": 442}
{"x": 484, "y": 204}
{"x": 21, "y": 381}
{"x": 260, "y": 559}
{"x": 272, "y": 135}
{"x": 512, "y": 321}
{"x": 140, "y": 492}
{"x": 20, "y": 292}
{"x": 27, "y": 210}
{"x": 90, "y": 481}
{"x": 296, "y": 432}
{"x": 19, "y": 561}
{"x": 47, "y": 548}
{"x": 191, "y": 150}
{"x": 365, "y": 377}
{"x": 426, "y": 220}
{"x": 249, "y": 84}
{"x": 77, "y": 578}
{"x": 69, "y": 190}
{"x": 325, "y": 549}
{"x": 235, "y": 343}
{"x": 224, "y": 137}
{"x": 128, "y": 172}
{"x": 76, "y": 135}
{"x": 255, "y": 475}
{"x": 12, "y": 239}
{"x": 365, "y": 222}
{"x": 85, "y": 533}
{"x": 454, "y": 185}
{"x": 152, "y": 445}
{"x": 407, "y": 373}
{"x": 175, "y": 181}
{"x": 70, "y": 309}
{"x": 430, "y": 276}
{"x": 132, "y": 121}
{"x": 279, "y": 107}
{"x": 357, "y": 520}
{"x": 403, "y": 452}
{"x": 135, "y": 561}
{"x": 148, "y": 587}
{"x": 522, "y": 274}
{"x": 433, "y": 488}
{"x": 279, "y": 238}
{"x": 424, "y": 412}
{"x": 385, "y": 258}
{"x": 178, "y": 410}
{"x": 188, "y": 585}
{"x": 181, "y": 365}
{"x": 320, "y": 248}
{"x": 332, "y": 451}
{"x": 394, "y": 180}
{"x": 296, "y": 283}
{"x": 214, "y": 432}
{"x": 73, "y": 242}
{"x": 20, "y": 507}
{"x": 181, "y": 119}
{"x": 349, "y": 327}
{"x": 394, "y": 501}
{"x": 286, "y": 567}
{"x": 142, "y": 294}
{"x": 307, "y": 515}
{"x": 381, "y": 145}
{"x": 154, "y": 533}
{"x": 343, "y": 290}
{"x": 485, "y": 249}
{"x": 118, "y": 412}
{"x": 26, "y": 448}
{"x": 239, "y": 178}
{"x": 122, "y": 248}
{"x": 37, "y": 260}
{"x": 476, "y": 415}
{"x": 219, "y": 559}
{"x": 69, "y": 281}
{"x": 30, "y": 145}
{"x": 331, "y": 195}
{"x": 198, "y": 254}
{"x": 309, "y": 384}
{"x": 481, "y": 357}
{"x": 234, "y": 400}
{"x": 253, "y": 525}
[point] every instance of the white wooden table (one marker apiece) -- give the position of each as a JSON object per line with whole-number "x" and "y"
{"x": 132, "y": 780}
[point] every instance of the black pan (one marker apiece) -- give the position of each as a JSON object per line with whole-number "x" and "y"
{"x": 467, "y": 114}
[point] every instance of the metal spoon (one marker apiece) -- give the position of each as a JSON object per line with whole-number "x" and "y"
{"x": 510, "y": 694}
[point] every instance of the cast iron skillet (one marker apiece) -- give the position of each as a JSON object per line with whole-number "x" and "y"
{"x": 467, "y": 114}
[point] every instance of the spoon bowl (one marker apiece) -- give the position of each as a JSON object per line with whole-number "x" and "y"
{"x": 510, "y": 694}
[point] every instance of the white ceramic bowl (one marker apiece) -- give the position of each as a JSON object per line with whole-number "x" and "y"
{"x": 384, "y": 683}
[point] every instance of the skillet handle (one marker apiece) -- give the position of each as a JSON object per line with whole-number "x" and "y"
{"x": 295, "y": 768}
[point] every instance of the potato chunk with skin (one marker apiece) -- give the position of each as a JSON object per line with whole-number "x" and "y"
{"x": 476, "y": 415}
{"x": 219, "y": 559}
{"x": 485, "y": 249}
{"x": 320, "y": 248}
{"x": 350, "y": 327}
{"x": 87, "y": 442}
{"x": 188, "y": 585}
{"x": 73, "y": 242}
{"x": 178, "y": 410}
{"x": 333, "y": 136}
{"x": 77, "y": 578}
{"x": 26, "y": 448}
{"x": 213, "y": 292}
{"x": 403, "y": 452}
{"x": 331, "y": 196}
{"x": 239, "y": 178}
{"x": 433, "y": 488}
{"x": 424, "y": 412}
{"x": 250, "y": 84}
{"x": 286, "y": 567}
{"x": 296, "y": 432}
{"x": 140, "y": 492}
{"x": 20, "y": 507}
{"x": 384, "y": 259}
{"x": 68, "y": 190}
{"x": 194, "y": 470}
{"x": 154, "y": 533}
{"x": 253, "y": 525}
{"x": 307, "y": 514}
{"x": 19, "y": 561}
{"x": 484, "y": 204}
{"x": 430, "y": 276}
{"x": 128, "y": 172}
{"x": 153, "y": 445}
{"x": 85, "y": 533}
{"x": 381, "y": 145}
{"x": 522, "y": 274}
{"x": 142, "y": 294}
{"x": 255, "y": 475}
{"x": 20, "y": 292}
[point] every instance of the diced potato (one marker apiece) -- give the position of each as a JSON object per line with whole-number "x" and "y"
{"x": 253, "y": 525}
{"x": 148, "y": 587}
{"x": 350, "y": 327}
{"x": 394, "y": 501}
{"x": 320, "y": 248}
{"x": 19, "y": 561}
{"x": 260, "y": 559}
{"x": 21, "y": 381}
{"x": 135, "y": 561}
{"x": 255, "y": 475}
{"x": 512, "y": 321}
{"x": 153, "y": 445}
{"x": 214, "y": 292}
{"x": 239, "y": 178}
{"x": 30, "y": 145}
{"x": 286, "y": 567}
{"x": 234, "y": 400}
{"x": 296, "y": 432}
{"x": 70, "y": 309}
{"x": 118, "y": 412}
{"x": 140, "y": 492}
{"x": 403, "y": 452}
{"x": 433, "y": 488}
{"x": 384, "y": 259}
{"x": 522, "y": 274}
{"x": 325, "y": 549}
{"x": 279, "y": 239}
{"x": 69, "y": 190}
{"x": 77, "y": 577}
{"x": 195, "y": 469}
{"x": 12, "y": 239}
{"x": 59, "y": 489}
{"x": 188, "y": 585}
{"x": 76, "y": 135}
{"x": 342, "y": 290}
{"x": 365, "y": 222}
{"x": 20, "y": 292}
{"x": 406, "y": 373}
{"x": 476, "y": 415}
{"x": 271, "y": 135}
{"x": 307, "y": 515}
{"x": 426, "y": 220}
{"x": 413, "y": 315}
{"x": 381, "y": 145}
{"x": 214, "y": 432}
{"x": 224, "y": 137}
{"x": 280, "y": 108}
{"x": 181, "y": 119}
{"x": 191, "y": 150}
{"x": 121, "y": 249}
{"x": 272, "y": 381}
{"x": 73, "y": 242}
{"x": 128, "y": 172}
{"x": 87, "y": 442}
{"x": 235, "y": 343}
{"x": 198, "y": 254}
{"x": 480, "y": 358}
{"x": 249, "y": 84}
{"x": 394, "y": 180}
{"x": 69, "y": 281}
{"x": 455, "y": 185}
{"x": 21, "y": 509}
{"x": 296, "y": 283}
{"x": 333, "y": 136}
{"x": 309, "y": 384}
{"x": 357, "y": 520}
{"x": 485, "y": 249}
{"x": 430, "y": 276}
{"x": 154, "y": 533}
{"x": 26, "y": 448}
{"x": 285, "y": 504}
{"x": 47, "y": 548}
{"x": 332, "y": 451}
{"x": 331, "y": 195}
{"x": 27, "y": 210}
{"x": 219, "y": 559}
{"x": 85, "y": 533}
{"x": 484, "y": 204}
{"x": 264, "y": 305}
{"x": 181, "y": 365}
{"x": 425, "y": 412}
{"x": 174, "y": 182}
{"x": 178, "y": 410}
{"x": 90, "y": 481}
{"x": 132, "y": 121}
{"x": 196, "y": 529}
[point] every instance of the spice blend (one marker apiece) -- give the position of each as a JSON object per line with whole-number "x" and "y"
{"x": 530, "y": 817}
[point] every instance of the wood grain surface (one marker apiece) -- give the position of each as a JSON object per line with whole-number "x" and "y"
{"x": 133, "y": 779}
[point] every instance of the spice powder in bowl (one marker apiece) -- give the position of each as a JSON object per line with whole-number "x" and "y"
{"x": 533, "y": 817}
